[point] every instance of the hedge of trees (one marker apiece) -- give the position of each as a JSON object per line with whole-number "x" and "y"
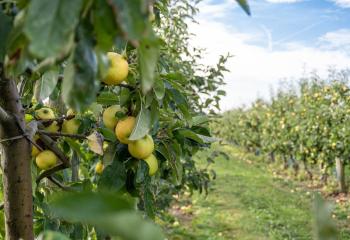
{"x": 307, "y": 125}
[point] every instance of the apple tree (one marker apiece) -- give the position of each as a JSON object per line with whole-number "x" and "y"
{"x": 102, "y": 106}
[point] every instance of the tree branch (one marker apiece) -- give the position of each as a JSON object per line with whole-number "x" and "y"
{"x": 58, "y": 120}
{"x": 51, "y": 171}
{"x": 60, "y": 134}
{"x": 59, "y": 184}
{"x": 126, "y": 86}
{"x": 51, "y": 144}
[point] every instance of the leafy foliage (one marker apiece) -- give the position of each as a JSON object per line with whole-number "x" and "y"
{"x": 307, "y": 125}
{"x": 57, "y": 53}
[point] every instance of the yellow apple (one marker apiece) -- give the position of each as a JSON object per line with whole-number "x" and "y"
{"x": 109, "y": 118}
{"x": 124, "y": 128}
{"x": 53, "y": 127}
{"x": 141, "y": 148}
{"x": 152, "y": 162}
{"x": 46, "y": 160}
{"x": 71, "y": 126}
{"x": 45, "y": 113}
{"x": 28, "y": 118}
{"x": 71, "y": 112}
{"x": 99, "y": 167}
{"x": 118, "y": 69}
{"x": 35, "y": 151}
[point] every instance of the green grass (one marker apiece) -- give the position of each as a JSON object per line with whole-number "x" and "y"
{"x": 246, "y": 202}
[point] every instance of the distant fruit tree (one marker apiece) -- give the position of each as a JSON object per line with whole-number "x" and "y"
{"x": 102, "y": 106}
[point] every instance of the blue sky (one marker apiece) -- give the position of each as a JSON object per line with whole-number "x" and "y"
{"x": 302, "y": 21}
{"x": 282, "y": 39}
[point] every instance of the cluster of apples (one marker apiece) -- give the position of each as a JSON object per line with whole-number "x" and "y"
{"x": 140, "y": 149}
{"x": 47, "y": 159}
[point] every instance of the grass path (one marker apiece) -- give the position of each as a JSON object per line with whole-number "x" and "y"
{"x": 246, "y": 203}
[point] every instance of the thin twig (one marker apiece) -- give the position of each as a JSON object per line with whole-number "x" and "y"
{"x": 51, "y": 144}
{"x": 60, "y": 134}
{"x": 126, "y": 86}
{"x": 58, "y": 183}
{"x": 12, "y": 138}
{"x": 59, "y": 120}
{"x": 51, "y": 171}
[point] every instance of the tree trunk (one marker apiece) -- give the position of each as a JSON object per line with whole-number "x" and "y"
{"x": 16, "y": 164}
{"x": 339, "y": 165}
{"x": 295, "y": 165}
{"x": 309, "y": 173}
{"x": 285, "y": 162}
{"x": 272, "y": 157}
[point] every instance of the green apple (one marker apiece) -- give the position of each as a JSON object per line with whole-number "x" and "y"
{"x": 152, "y": 163}
{"x": 141, "y": 148}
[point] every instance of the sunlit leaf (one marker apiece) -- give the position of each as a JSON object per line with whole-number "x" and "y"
{"x": 46, "y": 84}
{"x": 51, "y": 235}
{"x": 142, "y": 126}
{"x": 80, "y": 85}
{"x": 148, "y": 53}
{"x": 95, "y": 142}
{"x": 51, "y": 34}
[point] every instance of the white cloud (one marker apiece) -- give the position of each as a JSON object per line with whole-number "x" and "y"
{"x": 342, "y": 3}
{"x": 217, "y": 10}
{"x": 254, "y": 69}
{"x": 336, "y": 39}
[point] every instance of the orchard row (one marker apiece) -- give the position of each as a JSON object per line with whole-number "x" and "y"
{"x": 306, "y": 126}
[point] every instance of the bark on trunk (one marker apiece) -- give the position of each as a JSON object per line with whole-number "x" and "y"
{"x": 272, "y": 157}
{"x": 339, "y": 165}
{"x": 306, "y": 168}
{"x": 295, "y": 165}
{"x": 285, "y": 162}
{"x": 15, "y": 162}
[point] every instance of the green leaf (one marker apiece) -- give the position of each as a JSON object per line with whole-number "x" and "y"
{"x": 142, "y": 171}
{"x": 132, "y": 17}
{"x": 51, "y": 235}
{"x": 173, "y": 160}
{"x": 142, "y": 126}
{"x": 84, "y": 206}
{"x": 80, "y": 86}
{"x": 51, "y": 34}
{"x": 107, "y": 98}
{"x": 108, "y": 134}
{"x": 148, "y": 53}
{"x": 108, "y": 212}
{"x": 5, "y": 29}
{"x": 181, "y": 103}
{"x": 114, "y": 176}
{"x": 244, "y": 5}
{"x": 105, "y": 25}
{"x": 124, "y": 96}
{"x": 200, "y": 119}
{"x": 110, "y": 154}
{"x": 148, "y": 198}
{"x": 195, "y": 136}
{"x": 159, "y": 89}
{"x": 46, "y": 84}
